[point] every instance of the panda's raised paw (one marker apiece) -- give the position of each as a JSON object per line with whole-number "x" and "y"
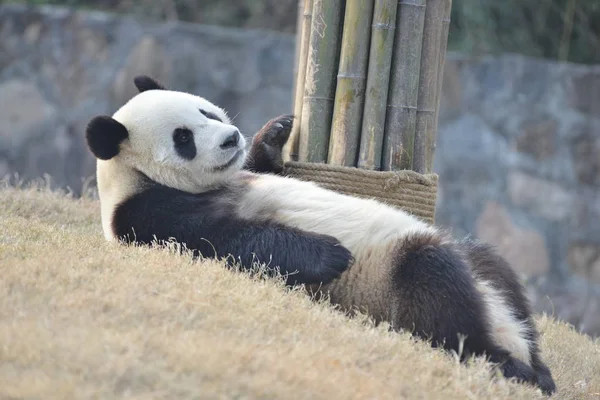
{"x": 266, "y": 152}
{"x": 276, "y": 132}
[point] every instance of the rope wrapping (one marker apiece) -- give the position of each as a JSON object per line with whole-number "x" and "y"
{"x": 408, "y": 190}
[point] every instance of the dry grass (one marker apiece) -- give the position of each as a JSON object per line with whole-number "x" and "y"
{"x": 82, "y": 318}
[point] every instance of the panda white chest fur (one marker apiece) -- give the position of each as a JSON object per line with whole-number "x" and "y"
{"x": 172, "y": 166}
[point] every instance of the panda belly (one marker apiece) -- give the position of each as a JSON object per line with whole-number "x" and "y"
{"x": 369, "y": 229}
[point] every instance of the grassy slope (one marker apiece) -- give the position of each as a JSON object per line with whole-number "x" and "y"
{"x": 82, "y": 318}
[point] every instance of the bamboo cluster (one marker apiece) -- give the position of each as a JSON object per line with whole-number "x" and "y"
{"x": 367, "y": 84}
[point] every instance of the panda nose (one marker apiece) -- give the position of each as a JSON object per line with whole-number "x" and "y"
{"x": 231, "y": 140}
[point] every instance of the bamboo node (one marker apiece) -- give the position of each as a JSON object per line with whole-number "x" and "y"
{"x": 383, "y": 26}
{"x": 318, "y": 98}
{"x": 352, "y": 76}
{"x": 414, "y": 3}
{"x": 402, "y": 107}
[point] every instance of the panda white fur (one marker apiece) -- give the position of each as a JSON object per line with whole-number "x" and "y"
{"x": 171, "y": 165}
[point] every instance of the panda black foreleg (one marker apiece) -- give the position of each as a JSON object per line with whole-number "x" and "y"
{"x": 266, "y": 152}
{"x": 301, "y": 257}
{"x": 209, "y": 229}
{"x": 436, "y": 299}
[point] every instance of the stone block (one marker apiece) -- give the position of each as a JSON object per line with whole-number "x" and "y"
{"x": 585, "y": 150}
{"x": 452, "y": 93}
{"x": 584, "y": 93}
{"x": 538, "y": 138}
{"x": 525, "y": 249}
{"x": 539, "y": 196}
{"x": 24, "y": 110}
{"x": 584, "y": 260}
{"x": 148, "y": 58}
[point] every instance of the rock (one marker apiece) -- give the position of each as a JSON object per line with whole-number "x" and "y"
{"x": 480, "y": 151}
{"x": 590, "y": 323}
{"x": 538, "y": 138}
{"x": 584, "y": 260}
{"x": 584, "y": 93}
{"x": 23, "y": 110}
{"x": 547, "y": 199}
{"x": 452, "y": 95}
{"x": 572, "y": 299}
{"x": 525, "y": 249}
{"x": 4, "y": 169}
{"x": 585, "y": 150}
{"x": 147, "y": 58}
{"x": 594, "y": 272}
{"x": 32, "y": 33}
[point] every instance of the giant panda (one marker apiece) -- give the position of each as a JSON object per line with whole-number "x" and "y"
{"x": 170, "y": 165}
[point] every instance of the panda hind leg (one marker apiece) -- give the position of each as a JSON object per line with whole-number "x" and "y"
{"x": 436, "y": 299}
{"x": 489, "y": 265}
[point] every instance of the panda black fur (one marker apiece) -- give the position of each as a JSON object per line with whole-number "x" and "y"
{"x": 171, "y": 165}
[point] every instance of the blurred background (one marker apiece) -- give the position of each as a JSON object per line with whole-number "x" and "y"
{"x": 518, "y": 149}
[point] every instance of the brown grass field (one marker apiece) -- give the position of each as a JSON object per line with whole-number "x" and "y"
{"x": 81, "y": 318}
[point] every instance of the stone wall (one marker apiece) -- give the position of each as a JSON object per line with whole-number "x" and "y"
{"x": 518, "y": 153}
{"x": 59, "y": 68}
{"x": 518, "y": 150}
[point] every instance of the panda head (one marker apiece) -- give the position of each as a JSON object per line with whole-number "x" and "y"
{"x": 176, "y": 139}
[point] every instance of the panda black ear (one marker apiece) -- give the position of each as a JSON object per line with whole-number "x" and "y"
{"x": 104, "y": 135}
{"x": 144, "y": 82}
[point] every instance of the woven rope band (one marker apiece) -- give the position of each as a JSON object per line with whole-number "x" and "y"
{"x": 413, "y": 192}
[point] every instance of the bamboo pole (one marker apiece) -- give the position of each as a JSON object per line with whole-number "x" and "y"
{"x": 351, "y": 81}
{"x": 440, "y": 80}
{"x": 428, "y": 83}
{"x": 298, "y": 38}
{"x": 378, "y": 77}
{"x": 297, "y": 41}
{"x": 320, "y": 82}
{"x": 404, "y": 84}
{"x": 290, "y": 150}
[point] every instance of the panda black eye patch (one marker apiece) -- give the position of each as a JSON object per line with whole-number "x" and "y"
{"x": 185, "y": 146}
{"x": 210, "y": 115}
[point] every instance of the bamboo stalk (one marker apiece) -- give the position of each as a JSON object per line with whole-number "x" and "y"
{"x": 440, "y": 81}
{"x": 351, "y": 81}
{"x": 428, "y": 83}
{"x": 320, "y": 82}
{"x": 290, "y": 150}
{"x": 404, "y": 84}
{"x": 297, "y": 41}
{"x": 378, "y": 78}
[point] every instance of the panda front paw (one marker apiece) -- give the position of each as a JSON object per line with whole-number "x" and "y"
{"x": 327, "y": 262}
{"x": 276, "y": 132}
{"x": 336, "y": 259}
{"x": 266, "y": 153}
